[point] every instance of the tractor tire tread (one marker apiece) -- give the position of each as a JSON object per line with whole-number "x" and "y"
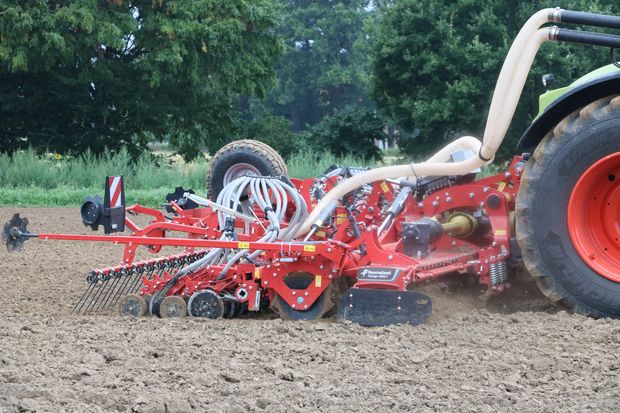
{"x": 259, "y": 148}
{"x": 535, "y": 169}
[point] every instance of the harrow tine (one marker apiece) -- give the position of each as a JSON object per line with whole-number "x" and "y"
{"x": 91, "y": 279}
{"x": 83, "y": 306}
{"x": 102, "y": 289}
{"x": 146, "y": 271}
{"x": 122, "y": 284}
{"x": 106, "y": 293}
{"x": 137, "y": 282}
{"x": 116, "y": 282}
{"x": 127, "y": 286}
{"x": 106, "y": 287}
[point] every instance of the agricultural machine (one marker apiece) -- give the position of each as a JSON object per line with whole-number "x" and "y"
{"x": 360, "y": 242}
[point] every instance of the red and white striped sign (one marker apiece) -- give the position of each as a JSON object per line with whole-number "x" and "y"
{"x": 114, "y": 182}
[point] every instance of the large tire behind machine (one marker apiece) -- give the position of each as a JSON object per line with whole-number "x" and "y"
{"x": 239, "y": 158}
{"x": 568, "y": 211}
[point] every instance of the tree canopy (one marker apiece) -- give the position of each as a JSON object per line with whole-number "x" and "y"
{"x": 325, "y": 67}
{"x": 117, "y": 73}
{"x": 435, "y": 64}
{"x": 95, "y": 73}
{"x": 352, "y": 131}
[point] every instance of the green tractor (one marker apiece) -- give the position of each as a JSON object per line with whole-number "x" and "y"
{"x": 568, "y": 205}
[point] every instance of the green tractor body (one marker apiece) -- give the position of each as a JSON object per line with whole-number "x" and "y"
{"x": 548, "y": 98}
{"x": 557, "y": 104}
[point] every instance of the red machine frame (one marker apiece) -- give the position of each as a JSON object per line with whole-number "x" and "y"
{"x": 327, "y": 259}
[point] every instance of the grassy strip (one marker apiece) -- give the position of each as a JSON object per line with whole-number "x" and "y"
{"x": 67, "y": 196}
{"x": 74, "y": 197}
{"x": 29, "y": 179}
{"x": 308, "y": 165}
{"x": 27, "y": 168}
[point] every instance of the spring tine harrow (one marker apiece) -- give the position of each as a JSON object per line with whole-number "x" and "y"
{"x": 100, "y": 288}
{"x": 117, "y": 277}
{"x": 133, "y": 277}
{"x": 92, "y": 282}
{"x": 107, "y": 286}
{"x": 136, "y": 283}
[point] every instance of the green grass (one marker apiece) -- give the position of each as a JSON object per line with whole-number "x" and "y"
{"x": 392, "y": 152}
{"x": 26, "y": 168}
{"x": 29, "y": 179}
{"x": 68, "y": 196}
{"x": 307, "y": 164}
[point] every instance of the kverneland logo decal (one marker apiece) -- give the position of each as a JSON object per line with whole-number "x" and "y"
{"x": 377, "y": 274}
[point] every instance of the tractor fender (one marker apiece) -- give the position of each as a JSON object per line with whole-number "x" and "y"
{"x": 574, "y": 99}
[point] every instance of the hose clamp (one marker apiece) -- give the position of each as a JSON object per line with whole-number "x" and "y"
{"x": 553, "y": 33}
{"x": 556, "y": 15}
{"x": 482, "y": 157}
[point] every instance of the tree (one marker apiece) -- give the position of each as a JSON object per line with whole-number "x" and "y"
{"x": 325, "y": 64}
{"x": 275, "y": 131}
{"x": 435, "y": 64}
{"x": 351, "y": 131}
{"x": 94, "y": 73}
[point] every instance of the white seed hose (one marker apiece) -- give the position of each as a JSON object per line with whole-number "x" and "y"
{"x": 272, "y": 196}
{"x": 508, "y": 89}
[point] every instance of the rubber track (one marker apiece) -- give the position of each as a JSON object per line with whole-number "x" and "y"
{"x": 261, "y": 149}
{"x": 537, "y": 164}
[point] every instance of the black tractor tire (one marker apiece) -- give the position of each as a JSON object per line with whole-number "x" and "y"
{"x": 262, "y": 159}
{"x": 554, "y": 169}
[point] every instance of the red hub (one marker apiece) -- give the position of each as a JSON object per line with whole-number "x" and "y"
{"x": 594, "y": 217}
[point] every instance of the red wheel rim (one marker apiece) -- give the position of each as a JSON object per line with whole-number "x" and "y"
{"x": 594, "y": 217}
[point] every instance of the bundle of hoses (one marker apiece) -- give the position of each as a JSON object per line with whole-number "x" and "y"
{"x": 272, "y": 196}
{"x": 508, "y": 90}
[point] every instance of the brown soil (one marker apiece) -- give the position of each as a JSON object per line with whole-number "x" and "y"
{"x": 472, "y": 355}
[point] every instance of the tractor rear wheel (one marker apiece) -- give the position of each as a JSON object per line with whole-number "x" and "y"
{"x": 240, "y": 158}
{"x": 568, "y": 211}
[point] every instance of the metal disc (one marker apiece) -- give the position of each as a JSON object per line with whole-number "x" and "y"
{"x": 148, "y": 298}
{"x": 242, "y": 309}
{"x": 207, "y": 304}
{"x": 155, "y": 302}
{"x": 11, "y": 233}
{"x": 132, "y": 305}
{"x": 230, "y": 308}
{"x": 173, "y": 306}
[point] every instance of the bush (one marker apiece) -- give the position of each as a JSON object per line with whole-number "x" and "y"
{"x": 350, "y": 132}
{"x": 276, "y": 132}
